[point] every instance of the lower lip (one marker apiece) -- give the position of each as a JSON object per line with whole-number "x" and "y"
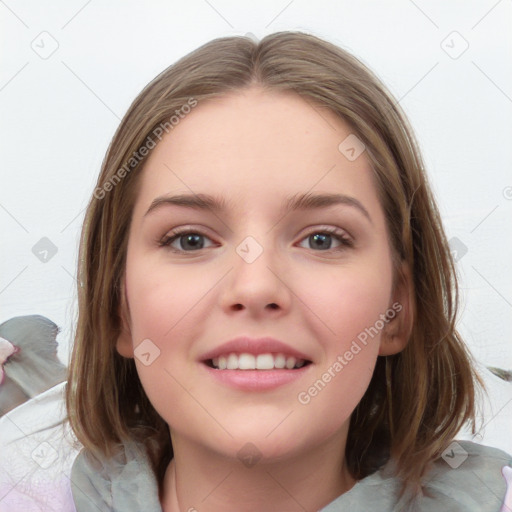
{"x": 256, "y": 380}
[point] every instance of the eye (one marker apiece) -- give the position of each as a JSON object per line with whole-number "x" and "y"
{"x": 188, "y": 240}
{"x": 184, "y": 240}
{"x": 323, "y": 238}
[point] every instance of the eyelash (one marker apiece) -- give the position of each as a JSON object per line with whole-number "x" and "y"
{"x": 345, "y": 241}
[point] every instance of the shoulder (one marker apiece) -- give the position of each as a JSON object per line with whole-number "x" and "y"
{"x": 89, "y": 485}
{"x": 470, "y": 477}
{"x": 125, "y": 482}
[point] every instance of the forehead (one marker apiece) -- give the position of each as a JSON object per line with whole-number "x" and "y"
{"x": 252, "y": 145}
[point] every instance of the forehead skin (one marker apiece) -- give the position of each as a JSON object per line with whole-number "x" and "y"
{"x": 254, "y": 148}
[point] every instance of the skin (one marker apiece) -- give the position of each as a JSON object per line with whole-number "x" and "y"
{"x": 255, "y": 149}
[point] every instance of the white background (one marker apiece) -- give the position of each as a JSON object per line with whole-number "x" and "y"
{"x": 59, "y": 113}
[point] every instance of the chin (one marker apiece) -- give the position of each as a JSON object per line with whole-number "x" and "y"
{"x": 262, "y": 442}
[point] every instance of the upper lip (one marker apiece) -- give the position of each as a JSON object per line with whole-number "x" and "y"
{"x": 255, "y": 346}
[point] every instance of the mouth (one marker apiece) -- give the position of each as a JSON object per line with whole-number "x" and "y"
{"x": 263, "y": 362}
{"x": 256, "y": 364}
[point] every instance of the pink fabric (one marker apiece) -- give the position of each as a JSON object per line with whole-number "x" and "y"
{"x": 36, "y": 456}
{"x": 7, "y": 349}
{"x": 506, "y": 471}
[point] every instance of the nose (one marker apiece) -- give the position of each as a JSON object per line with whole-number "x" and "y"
{"x": 259, "y": 287}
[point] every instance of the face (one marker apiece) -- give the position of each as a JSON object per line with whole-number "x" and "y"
{"x": 317, "y": 278}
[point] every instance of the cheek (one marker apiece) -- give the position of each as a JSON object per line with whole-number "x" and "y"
{"x": 161, "y": 297}
{"x": 350, "y": 306}
{"x": 166, "y": 309}
{"x": 346, "y": 301}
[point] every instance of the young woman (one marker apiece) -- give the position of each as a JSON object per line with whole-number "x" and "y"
{"x": 267, "y": 300}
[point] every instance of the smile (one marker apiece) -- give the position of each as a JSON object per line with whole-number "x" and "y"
{"x": 245, "y": 361}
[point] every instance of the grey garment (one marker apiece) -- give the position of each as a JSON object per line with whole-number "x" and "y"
{"x": 467, "y": 479}
{"x": 466, "y": 484}
{"x": 36, "y": 367}
{"x": 124, "y": 483}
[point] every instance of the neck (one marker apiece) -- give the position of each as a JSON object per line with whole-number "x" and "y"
{"x": 201, "y": 481}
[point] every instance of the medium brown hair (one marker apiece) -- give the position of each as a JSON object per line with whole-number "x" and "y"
{"x": 418, "y": 399}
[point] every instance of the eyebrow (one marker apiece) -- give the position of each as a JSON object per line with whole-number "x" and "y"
{"x": 307, "y": 201}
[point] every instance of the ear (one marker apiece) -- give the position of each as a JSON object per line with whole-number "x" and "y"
{"x": 397, "y": 331}
{"x": 124, "y": 343}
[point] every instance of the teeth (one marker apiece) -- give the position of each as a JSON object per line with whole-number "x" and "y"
{"x": 279, "y": 361}
{"x": 259, "y": 362}
{"x": 290, "y": 362}
{"x": 246, "y": 362}
{"x": 264, "y": 362}
{"x": 232, "y": 362}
